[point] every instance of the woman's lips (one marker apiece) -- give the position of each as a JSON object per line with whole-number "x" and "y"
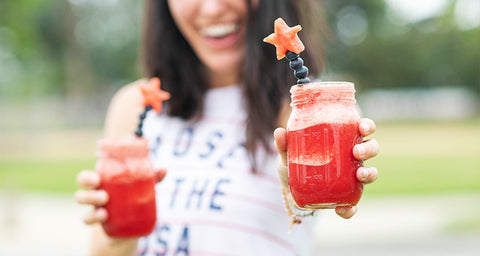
{"x": 221, "y": 35}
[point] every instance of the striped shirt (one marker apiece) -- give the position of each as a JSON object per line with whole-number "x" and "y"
{"x": 210, "y": 202}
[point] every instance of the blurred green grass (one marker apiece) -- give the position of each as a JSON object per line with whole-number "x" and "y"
{"x": 425, "y": 174}
{"x": 427, "y": 157}
{"x": 42, "y": 175}
{"x": 415, "y": 158}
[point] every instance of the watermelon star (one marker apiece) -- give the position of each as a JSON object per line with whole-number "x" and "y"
{"x": 285, "y": 38}
{"x": 153, "y": 95}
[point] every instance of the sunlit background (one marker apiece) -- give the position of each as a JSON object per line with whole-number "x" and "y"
{"x": 415, "y": 63}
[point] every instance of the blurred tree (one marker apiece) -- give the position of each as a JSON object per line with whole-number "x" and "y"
{"x": 395, "y": 53}
{"x": 67, "y": 47}
{"x": 26, "y": 65}
{"x": 72, "y": 47}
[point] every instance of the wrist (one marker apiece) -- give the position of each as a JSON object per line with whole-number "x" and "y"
{"x": 102, "y": 244}
{"x": 296, "y": 213}
{"x": 122, "y": 242}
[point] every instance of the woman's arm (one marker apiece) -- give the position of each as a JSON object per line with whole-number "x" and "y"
{"x": 123, "y": 111}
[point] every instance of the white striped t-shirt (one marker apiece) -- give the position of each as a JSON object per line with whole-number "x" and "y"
{"x": 210, "y": 202}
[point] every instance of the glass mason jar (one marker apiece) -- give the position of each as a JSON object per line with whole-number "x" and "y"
{"x": 321, "y": 132}
{"x": 128, "y": 177}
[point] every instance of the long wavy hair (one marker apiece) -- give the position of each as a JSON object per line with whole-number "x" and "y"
{"x": 265, "y": 82}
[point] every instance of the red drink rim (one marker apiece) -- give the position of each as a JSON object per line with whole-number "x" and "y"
{"x": 323, "y": 91}
{"x": 129, "y": 146}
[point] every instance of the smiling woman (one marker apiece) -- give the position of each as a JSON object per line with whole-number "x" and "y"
{"x": 222, "y": 194}
{"x": 216, "y": 31}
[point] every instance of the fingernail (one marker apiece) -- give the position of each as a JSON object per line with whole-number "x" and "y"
{"x": 102, "y": 196}
{"x": 93, "y": 179}
{"x": 360, "y": 150}
{"x": 365, "y": 174}
{"x": 342, "y": 211}
{"x": 101, "y": 213}
{"x": 365, "y": 127}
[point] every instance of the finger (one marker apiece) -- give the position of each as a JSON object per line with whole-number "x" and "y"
{"x": 88, "y": 179}
{"x": 280, "y": 135}
{"x": 367, "y": 174}
{"x": 346, "y": 212}
{"x": 367, "y": 127}
{"x": 160, "y": 174}
{"x": 99, "y": 215}
{"x": 92, "y": 197}
{"x": 366, "y": 150}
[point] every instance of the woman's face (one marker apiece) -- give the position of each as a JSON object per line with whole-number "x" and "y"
{"x": 216, "y": 30}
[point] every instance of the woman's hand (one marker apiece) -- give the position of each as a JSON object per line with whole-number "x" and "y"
{"x": 90, "y": 195}
{"x": 363, "y": 151}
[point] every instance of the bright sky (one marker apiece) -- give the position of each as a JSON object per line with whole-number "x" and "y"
{"x": 413, "y": 10}
{"x": 467, "y": 12}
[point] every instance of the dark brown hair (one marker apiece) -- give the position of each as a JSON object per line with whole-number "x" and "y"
{"x": 265, "y": 81}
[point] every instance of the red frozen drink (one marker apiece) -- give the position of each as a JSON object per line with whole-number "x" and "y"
{"x": 321, "y": 133}
{"x": 128, "y": 177}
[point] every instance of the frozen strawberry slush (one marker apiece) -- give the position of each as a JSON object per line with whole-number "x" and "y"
{"x": 128, "y": 177}
{"x": 321, "y": 133}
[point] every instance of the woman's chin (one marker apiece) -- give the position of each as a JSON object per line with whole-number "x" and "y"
{"x": 224, "y": 66}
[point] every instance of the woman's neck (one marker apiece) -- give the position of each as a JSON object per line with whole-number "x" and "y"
{"x": 222, "y": 79}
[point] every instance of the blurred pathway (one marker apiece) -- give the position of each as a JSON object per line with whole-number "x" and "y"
{"x": 41, "y": 225}
{"x": 441, "y": 225}
{"x": 444, "y": 225}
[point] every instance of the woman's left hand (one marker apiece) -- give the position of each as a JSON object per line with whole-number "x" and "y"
{"x": 363, "y": 151}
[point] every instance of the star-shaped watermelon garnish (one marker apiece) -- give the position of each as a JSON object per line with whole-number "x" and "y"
{"x": 285, "y": 38}
{"x": 153, "y": 95}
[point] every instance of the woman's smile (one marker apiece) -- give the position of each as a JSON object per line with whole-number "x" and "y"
{"x": 216, "y": 31}
{"x": 221, "y": 36}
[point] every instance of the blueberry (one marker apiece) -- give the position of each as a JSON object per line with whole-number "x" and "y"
{"x": 301, "y": 73}
{"x": 291, "y": 55}
{"x": 143, "y": 115}
{"x": 139, "y": 133}
{"x": 296, "y": 63}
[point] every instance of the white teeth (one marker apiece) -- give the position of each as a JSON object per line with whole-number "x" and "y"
{"x": 220, "y": 30}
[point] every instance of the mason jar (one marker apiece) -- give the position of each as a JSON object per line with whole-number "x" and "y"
{"x": 321, "y": 132}
{"x": 127, "y": 175}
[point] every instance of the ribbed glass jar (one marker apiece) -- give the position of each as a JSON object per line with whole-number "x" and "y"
{"x": 128, "y": 177}
{"x": 321, "y": 132}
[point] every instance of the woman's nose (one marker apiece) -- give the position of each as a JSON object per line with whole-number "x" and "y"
{"x": 213, "y": 7}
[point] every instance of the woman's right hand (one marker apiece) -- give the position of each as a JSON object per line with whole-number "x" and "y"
{"x": 91, "y": 195}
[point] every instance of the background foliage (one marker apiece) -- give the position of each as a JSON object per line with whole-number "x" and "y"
{"x": 80, "y": 46}
{"x": 392, "y": 52}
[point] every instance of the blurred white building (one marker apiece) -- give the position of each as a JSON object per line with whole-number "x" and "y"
{"x": 443, "y": 103}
